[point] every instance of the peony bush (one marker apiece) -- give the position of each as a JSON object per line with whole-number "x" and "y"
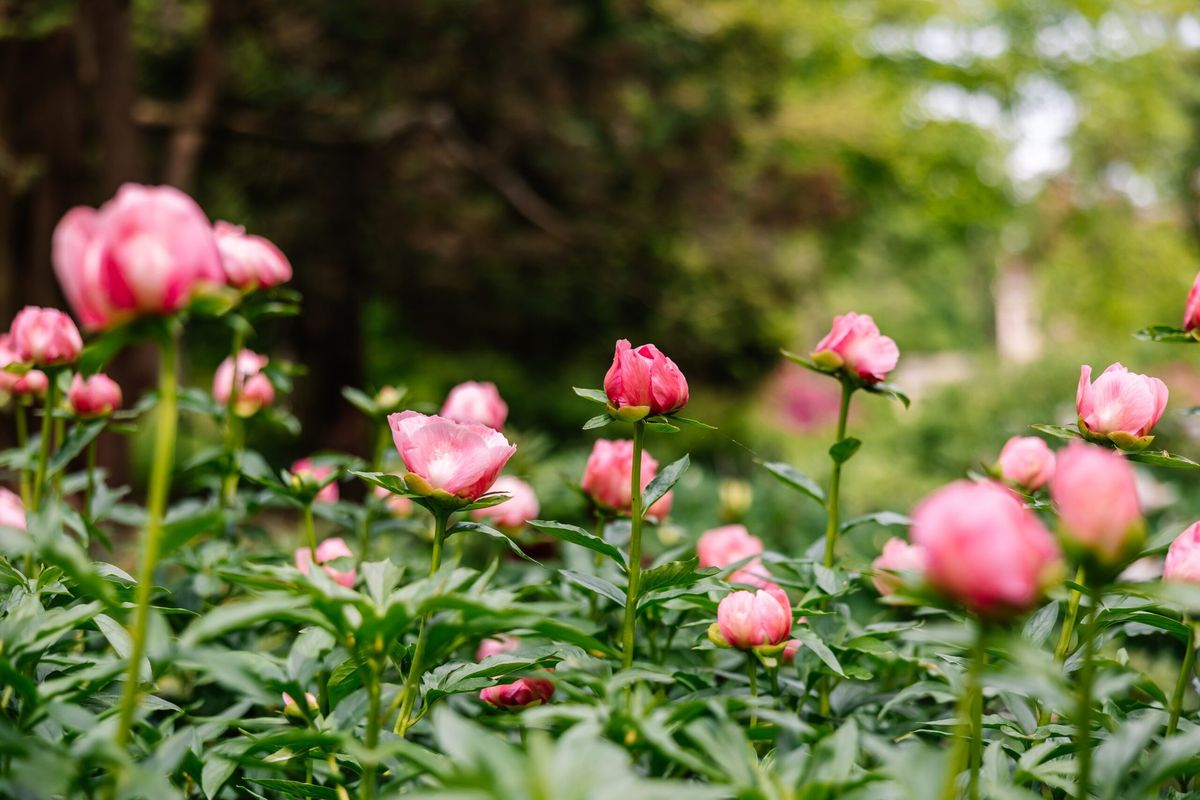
{"x": 406, "y": 623}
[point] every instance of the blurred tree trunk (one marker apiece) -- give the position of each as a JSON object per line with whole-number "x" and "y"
{"x": 186, "y": 144}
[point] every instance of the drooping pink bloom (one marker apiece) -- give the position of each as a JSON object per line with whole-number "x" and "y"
{"x": 1120, "y": 405}
{"x": 984, "y": 549}
{"x": 460, "y": 459}
{"x": 607, "y": 477}
{"x": 95, "y": 396}
{"x": 476, "y": 403}
{"x": 328, "y": 551}
{"x": 855, "y": 344}
{"x": 145, "y": 251}
{"x": 496, "y": 646}
{"x": 1191, "y": 314}
{"x": 520, "y": 693}
{"x": 727, "y": 545}
{"x": 643, "y": 377}
{"x": 897, "y": 556}
{"x": 12, "y": 510}
{"x": 1096, "y": 496}
{"x": 398, "y": 505}
{"x": 249, "y": 261}
{"x": 306, "y": 468}
{"x": 254, "y": 388}
{"x": 44, "y": 336}
{"x": 32, "y": 383}
{"x": 753, "y": 619}
{"x": 1183, "y": 557}
{"x": 1026, "y": 461}
{"x": 519, "y": 508}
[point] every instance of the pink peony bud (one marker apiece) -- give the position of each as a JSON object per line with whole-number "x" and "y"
{"x": 250, "y": 262}
{"x": 1191, "y": 314}
{"x": 12, "y": 510}
{"x": 1094, "y": 490}
{"x": 328, "y": 551}
{"x": 44, "y": 336}
{"x": 753, "y": 619}
{"x": 1183, "y": 557}
{"x": 521, "y": 693}
{"x": 32, "y": 383}
{"x": 496, "y": 646}
{"x": 291, "y": 709}
{"x": 856, "y": 345}
{"x": 984, "y": 549}
{"x": 760, "y": 580}
{"x": 474, "y": 403}
{"x": 519, "y": 508}
{"x": 254, "y": 388}
{"x": 644, "y": 378}
{"x": 397, "y": 505}
{"x": 441, "y": 455}
{"x": 897, "y": 556}
{"x": 1122, "y": 406}
{"x": 96, "y": 396}
{"x": 789, "y": 650}
{"x": 608, "y": 474}
{"x": 146, "y": 251}
{"x": 727, "y": 545}
{"x": 1026, "y": 461}
{"x": 306, "y": 469}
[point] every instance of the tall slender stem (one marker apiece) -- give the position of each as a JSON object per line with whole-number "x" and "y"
{"x": 22, "y": 421}
{"x": 1185, "y": 674}
{"x": 1068, "y": 628}
{"x": 752, "y": 673}
{"x": 39, "y": 479}
{"x": 364, "y": 536}
{"x": 1083, "y": 714}
{"x": 635, "y": 546}
{"x": 232, "y": 426}
{"x": 90, "y": 490}
{"x": 156, "y": 505}
{"x": 968, "y": 738}
{"x": 310, "y": 531}
{"x": 367, "y": 786}
{"x": 409, "y": 692}
{"x": 835, "y": 479}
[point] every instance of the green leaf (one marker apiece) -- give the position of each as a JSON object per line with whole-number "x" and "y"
{"x": 1057, "y": 431}
{"x": 295, "y": 788}
{"x": 888, "y": 390}
{"x": 672, "y": 573}
{"x": 695, "y": 423}
{"x": 795, "y": 479}
{"x": 393, "y": 483}
{"x": 477, "y": 527}
{"x": 578, "y": 536}
{"x": 361, "y": 400}
{"x": 235, "y": 616}
{"x": 595, "y": 395}
{"x": 1162, "y": 458}
{"x": 595, "y": 584}
{"x": 1038, "y": 628}
{"x": 663, "y": 481}
{"x": 843, "y": 451}
{"x": 1166, "y": 334}
{"x": 820, "y": 650}
{"x": 81, "y": 436}
{"x": 884, "y": 518}
{"x": 804, "y": 362}
{"x": 598, "y": 421}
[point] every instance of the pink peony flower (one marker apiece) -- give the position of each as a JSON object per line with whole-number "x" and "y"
{"x": 306, "y": 469}
{"x": 12, "y": 510}
{"x": 607, "y": 477}
{"x": 328, "y": 551}
{"x": 519, "y": 508}
{"x": 96, "y": 396}
{"x": 33, "y": 383}
{"x": 520, "y": 693}
{"x": 496, "y": 646}
{"x": 644, "y": 378}
{"x": 984, "y": 549}
{"x": 1183, "y": 557}
{"x": 254, "y": 388}
{"x": 753, "y": 619}
{"x": 398, "y": 505}
{"x": 1121, "y": 405}
{"x": 1094, "y": 490}
{"x": 1191, "y": 314}
{"x": 249, "y": 261}
{"x": 476, "y": 403}
{"x": 459, "y": 459}
{"x": 856, "y": 345}
{"x": 44, "y": 336}
{"x": 897, "y": 556}
{"x": 727, "y": 545}
{"x": 1026, "y": 461}
{"x": 789, "y": 650}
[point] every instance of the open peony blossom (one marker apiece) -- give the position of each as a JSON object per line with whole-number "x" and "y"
{"x": 95, "y": 396}
{"x": 607, "y": 477}
{"x": 753, "y": 619}
{"x": 727, "y": 545}
{"x": 12, "y": 510}
{"x": 644, "y": 381}
{"x": 254, "y": 388}
{"x": 1026, "y": 461}
{"x": 1191, "y": 314}
{"x": 453, "y": 458}
{"x": 1120, "y": 405}
{"x": 328, "y": 551}
{"x": 496, "y": 646}
{"x": 307, "y": 469}
{"x": 856, "y": 345}
{"x": 1096, "y": 495}
{"x": 44, "y": 336}
{"x": 984, "y": 549}
{"x": 1183, "y": 557}
{"x": 520, "y": 507}
{"x": 33, "y": 383}
{"x": 897, "y": 556}
{"x": 249, "y": 261}
{"x": 145, "y": 251}
{"x": 398, "y": 505}
{"x": 518, "y": 694}
{"x": 476, "y": 403}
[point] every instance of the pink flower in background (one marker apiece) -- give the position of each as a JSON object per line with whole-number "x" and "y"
{"x": 855, "y": 344}
{"x": 1120, "y": 405}
{"x": 789, "y": 650}
{"x": 496, "y": 646}
{"x": 519, "y": 508}
{"x": 727, "y": 545}
{"x": 984, "y": 549}
{"x": 306, "y": 468}
{"x": 476, "y": 403}
{"x": 802, "y": 399}
{"x": 1191, "y": 314}
{"x": 254, "y": 388}
{"x": 398, "y": 505}
{"x": 43, "y": 336}
{"x": 642, "y": 377}
{"x": 146, "y": 251}
{"x": 518, "y": 694}
{"x": 328, "y": 551}
{"x": 33, "y": 383}
{"x": 1183, "y": 557}
{"x": 1026, "y": 461}
{"x": 249, "y": 261}
{"x": 897, "y": 556}
{"x": 95, "y": 396}
{"x": 12, "y": 510}
{"x": 1096, "y": 496}
{"x": 752, "y": 619}
{"x": 460, "y": 459}
{"x": 607, "y": 477}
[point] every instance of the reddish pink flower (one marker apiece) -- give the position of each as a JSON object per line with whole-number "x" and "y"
{"x": 1026, "y": 461}
{"x": 398, "y": 505}
{"x": 607, "y": 477}
{"x": 250, "y": 262}
{"x": 12, "y": 510}
{"x": 727, "y": 545}
{"x": 520, "y": 693}
{"x": 753, "y": 619}
{"x": 644, "y": 378}
{"x": 442, "y": 455}
{"x": 496, "y": 646}
{"x": 44, "y": 336}
{"x": 146, "y": 251}
{"x": 1183, "y": 557}
{"x": 307, "y": 469}
{"x": 789, "y": 650}
{"x": 897, "y": 556}
{"x": 32, "y": 383}
{"x": 519, "y": 508}
{"x": 95, "y": 396}
{"x": 328, "y": 551}
{"x": 984, "y": 549}
{"x": 1096, "y": 495}
{"x": 1121, "y": 405}
{"x": 1191, "y": 314}
{"x": 856, "y": 345}
{"x": 254, "y": 388}
{"x": 476, "y": 403}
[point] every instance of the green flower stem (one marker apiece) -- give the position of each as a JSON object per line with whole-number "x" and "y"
{"x": 233, "y": 427}
{"x": 22, "y": 421}
{"x": 1186, "y": 669}
{"x": 367, "y": 784}
{"x": 156, "y": 504}
{"x": 90, "y": 490}
{"x": 408, "y": 695}
{"x": 310, "y": 531}
{"x": 1083, "y": 714}
{"x": 968, "y": 739}
{"x": 364, "y": 535}
{"x": 39, "y": 479}
{"x": 1068, "y": 628}
{"x": 835, "y": 479}
{"x": 752, "y": 672}
{"x": 382, "y": 439}
{"x": 635, "y": 547}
